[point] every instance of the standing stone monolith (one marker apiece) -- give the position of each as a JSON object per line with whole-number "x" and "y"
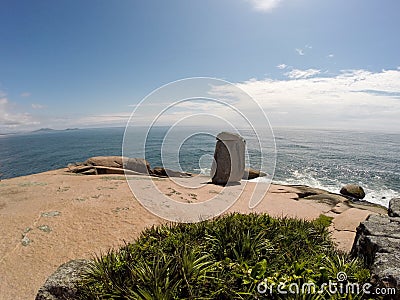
{"x": 229, "y": 158}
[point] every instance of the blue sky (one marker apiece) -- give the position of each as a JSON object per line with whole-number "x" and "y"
{"x": 79, "y": 63}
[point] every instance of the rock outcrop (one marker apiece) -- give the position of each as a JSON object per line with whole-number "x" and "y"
{"x": 111, "y": 165}
{"x": 162, "y": 172}
{"x": 61, "y": 285}
{"x": 229, "y": 158}
{"x": 353, "y": 190}
{"x": 251, "y": 174}
{"x": 378, "y": 242}
{"x": 105, "y": 161}
{"x": 139, "y": 165}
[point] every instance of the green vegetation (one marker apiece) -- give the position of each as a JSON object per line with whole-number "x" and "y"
{"x": 225, "y": 258}
{"x": 324, "y": 221}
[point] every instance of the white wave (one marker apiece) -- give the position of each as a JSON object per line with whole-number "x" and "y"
{"x": 204, "y": 171}
{"x": 379, "y": 196}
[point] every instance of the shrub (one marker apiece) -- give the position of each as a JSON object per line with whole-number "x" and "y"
{"x": 224, "y": 258}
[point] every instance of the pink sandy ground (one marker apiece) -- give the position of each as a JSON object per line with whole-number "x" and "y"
{"x": 100, "y": 212}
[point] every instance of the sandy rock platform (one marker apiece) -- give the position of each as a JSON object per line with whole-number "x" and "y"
{"x": 50, "y": 218}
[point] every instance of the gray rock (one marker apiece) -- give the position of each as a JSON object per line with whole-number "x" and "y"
{"x": 139, "y": 165}
{"x": 305, "y": 191}
{"x": 387, "y": 266}
{"x": 251, "y": 174}
{"x": 111, "y": 165}
{"x": 330, "y": 199}
{"x": 105, "y": 161}
{"x": 353, "y": 190}
{"x": 229, "y": 159}
{"x": 25, "y": 241}
{"x": 44, "y": 228}
{"x": 51, "y": 214}
{"x": 377, "y": 241}
{"x": 27, "y": 229}
{"x": 61, "y": 285}
{"x": 381, "y": 226}
{"x": 394, "y": 207}
{"x": 162, "y": 172}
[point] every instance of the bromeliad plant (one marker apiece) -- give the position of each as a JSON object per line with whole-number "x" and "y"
{"x": 224, "y": 258}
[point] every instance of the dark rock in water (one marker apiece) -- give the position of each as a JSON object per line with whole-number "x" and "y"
{"x": 394, "y": 207}
{"x": 251, "y": 174}
{"x": 61, "y": 285}
{"x": 353, "y": 190}
{"x": 162, "y": 172}
{"x": 229, "y": 158}
{"x": 378, "y": 242}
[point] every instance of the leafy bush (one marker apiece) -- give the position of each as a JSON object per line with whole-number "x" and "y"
{"x": 225, "y": 258}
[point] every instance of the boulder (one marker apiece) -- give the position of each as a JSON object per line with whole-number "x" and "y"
{"x": 139, "y": 165}
{"x": 394, "y": 207}
{"x": 251, "y": 174}
{"x": 229, "y": 158}
{"x": 61, "y": 285}
{"x": 353, "y": 190}
{"x": 105, "y": 161}
{"x": 111, "y": 165}
{"x": 162, "y": 172}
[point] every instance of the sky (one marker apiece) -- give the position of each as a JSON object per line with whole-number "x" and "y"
{"x": 307, "y": 63}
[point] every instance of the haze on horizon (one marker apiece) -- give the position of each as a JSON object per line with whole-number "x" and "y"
{"x": 307, "y": 63}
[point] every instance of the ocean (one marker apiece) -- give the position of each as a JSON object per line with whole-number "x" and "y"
{"x": 326, "y": 159}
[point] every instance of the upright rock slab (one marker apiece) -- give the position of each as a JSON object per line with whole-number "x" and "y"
{"x": 229, "y": 158}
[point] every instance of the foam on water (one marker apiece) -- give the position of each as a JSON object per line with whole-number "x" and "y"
{"x": 379, "y": 196}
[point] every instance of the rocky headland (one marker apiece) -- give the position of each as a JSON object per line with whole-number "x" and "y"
{"x": 51, "y": 218}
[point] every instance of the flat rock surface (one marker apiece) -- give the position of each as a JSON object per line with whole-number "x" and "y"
{"x": 350, "y": 219}
{"x": 66, "y": 216}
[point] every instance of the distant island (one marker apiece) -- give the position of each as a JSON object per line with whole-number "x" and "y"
{"x": 45, "y": 130}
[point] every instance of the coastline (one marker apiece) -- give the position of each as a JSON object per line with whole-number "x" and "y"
{"x": 52, "y": 217}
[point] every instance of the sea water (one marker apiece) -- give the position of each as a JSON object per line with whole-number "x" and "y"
{"x": 326, "y": 159}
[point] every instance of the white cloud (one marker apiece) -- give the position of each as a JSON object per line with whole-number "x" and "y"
{"x": 300, "y": 74}
{"x": 10, "y": 118}
{"x": 103, "y": 119}
{"x": 264, "y": 5}
{"x": 37, "y": 106}
{"x": 281, "y": 66}
{"x": 331, "y": 55}
{"x": 353, "y": 99}
{"x": 300, "y": 51}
